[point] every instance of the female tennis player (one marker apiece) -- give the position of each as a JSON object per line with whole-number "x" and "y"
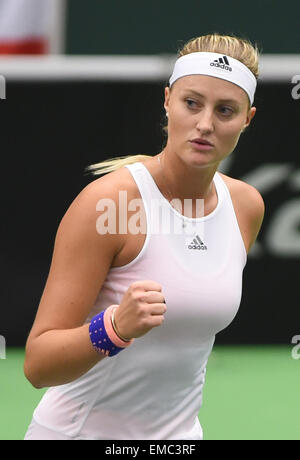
{"x": 127, "y": 319}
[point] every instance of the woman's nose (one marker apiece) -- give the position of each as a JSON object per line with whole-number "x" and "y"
{"x": 205, "y": 122}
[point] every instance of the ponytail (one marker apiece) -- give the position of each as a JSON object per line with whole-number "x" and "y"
{"x": 112, "y": 164}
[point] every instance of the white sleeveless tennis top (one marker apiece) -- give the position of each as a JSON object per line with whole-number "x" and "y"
{"x": 153, "y": 389}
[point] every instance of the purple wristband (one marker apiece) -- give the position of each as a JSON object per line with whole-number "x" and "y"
{"x": 99, "y": 334}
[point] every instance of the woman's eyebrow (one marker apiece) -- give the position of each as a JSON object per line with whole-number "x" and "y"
{"x": 231, "y": 101}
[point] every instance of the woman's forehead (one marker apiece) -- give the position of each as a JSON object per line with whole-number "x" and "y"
{"x": 208, "y": 86}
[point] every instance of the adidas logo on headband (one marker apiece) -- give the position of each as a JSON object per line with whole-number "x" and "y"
{"x": 222, "y": 62}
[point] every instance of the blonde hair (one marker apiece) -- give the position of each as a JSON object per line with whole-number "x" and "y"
{"x": 112, "y": 164}
{"x": 238, "y": 48}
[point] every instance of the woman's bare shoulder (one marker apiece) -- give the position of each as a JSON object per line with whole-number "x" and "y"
{"x": 249, "y": 207}
{"x": 245, "y": 193}
{"x": 98, "y": 203}
{"x": 110, "y": 184}
{"x": 83, "y": 218}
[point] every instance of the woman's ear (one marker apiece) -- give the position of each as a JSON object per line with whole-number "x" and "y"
{"x": 250, "y": 116}
{"x": 167, "y": 99}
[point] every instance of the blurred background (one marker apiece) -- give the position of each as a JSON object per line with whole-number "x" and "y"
{"x": 84, "y": 81}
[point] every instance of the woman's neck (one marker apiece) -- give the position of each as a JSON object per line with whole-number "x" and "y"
{"x": 186, "y": 181}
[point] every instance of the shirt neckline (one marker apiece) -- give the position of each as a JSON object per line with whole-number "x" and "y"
{"x": 188, "y": 219}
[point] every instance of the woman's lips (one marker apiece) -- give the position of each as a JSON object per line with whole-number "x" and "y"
{"x": 198, "y": 145}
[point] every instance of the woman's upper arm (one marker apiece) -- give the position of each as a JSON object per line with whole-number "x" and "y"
{"x": 257, "y": 214}
{"x": 80, "y": 262}
{"x": 251, "y": 209}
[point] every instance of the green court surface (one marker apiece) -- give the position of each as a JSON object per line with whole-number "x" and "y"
{"x": 250, "y": 393}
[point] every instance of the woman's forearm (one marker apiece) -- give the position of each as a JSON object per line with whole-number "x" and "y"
{"x": 57, "y": 357}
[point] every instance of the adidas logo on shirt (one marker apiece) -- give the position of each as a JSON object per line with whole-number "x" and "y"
{"x": 222, "y": 63}
{"x": 197, "y": 243}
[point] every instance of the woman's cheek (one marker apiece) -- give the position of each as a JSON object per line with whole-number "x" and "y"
{"x": 235, "y": 140}
{"x": 228, "y": 142}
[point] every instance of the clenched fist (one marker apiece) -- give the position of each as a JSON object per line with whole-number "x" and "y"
{"x": 142, "y": 308}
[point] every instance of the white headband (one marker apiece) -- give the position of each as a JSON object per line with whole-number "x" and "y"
{"x": 216, "y": 65}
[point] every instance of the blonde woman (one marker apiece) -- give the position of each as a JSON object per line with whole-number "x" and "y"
{"x": 127, "y": 319}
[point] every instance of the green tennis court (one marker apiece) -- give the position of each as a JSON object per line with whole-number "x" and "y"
{"x": 251, "y": 393}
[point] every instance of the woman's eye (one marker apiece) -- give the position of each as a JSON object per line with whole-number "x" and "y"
{"x": 190, "y": 103}
{"x": 226, "y": 111}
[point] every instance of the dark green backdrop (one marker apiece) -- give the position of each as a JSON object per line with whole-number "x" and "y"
{"x": 50, "y": 131}
{"x": 160, "y": 26}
